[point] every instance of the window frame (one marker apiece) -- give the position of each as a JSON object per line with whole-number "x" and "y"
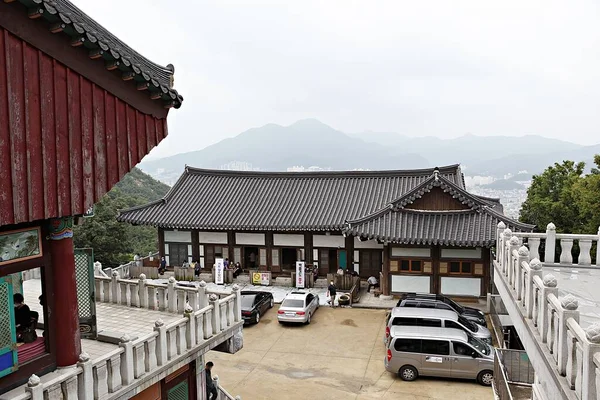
{"x": 410, "y": 266}
{"x": 461, "y": 268}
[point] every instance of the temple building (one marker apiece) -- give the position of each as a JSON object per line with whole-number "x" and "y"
{"x": 418, "y": 230}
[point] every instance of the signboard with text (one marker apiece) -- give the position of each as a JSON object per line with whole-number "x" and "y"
{"x": 300, "y": 268}
{"x": 219, "y": 271}
{"x": 261, "y": 278}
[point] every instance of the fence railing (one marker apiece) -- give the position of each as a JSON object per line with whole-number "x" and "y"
{"x": 124, "y": 270}
{"x": 575, "y": 351}
{"x": 134, "y": 359}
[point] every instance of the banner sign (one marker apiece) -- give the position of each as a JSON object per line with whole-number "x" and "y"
{"x": 300, "y": 268}
{"x": 219, "y": 271}
{"x": 259, "y": 278}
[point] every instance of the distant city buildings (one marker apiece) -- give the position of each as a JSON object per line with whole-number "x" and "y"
{"x": 239, "y": 166}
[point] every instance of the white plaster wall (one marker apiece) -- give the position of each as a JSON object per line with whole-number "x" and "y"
{"x": 411, "y": 252}
{"x": 328, "y": 241}
{"x": 407, "y": 283}
{"x": 281, "y": 239}
{"x": 369, "y": 244}
{"x": 461, "y": 286}
{"x": 257, "y": 239}
{"x": 462, "y": 253}
{"x": 178, "y": 236}
{"x": 213, "y": 237}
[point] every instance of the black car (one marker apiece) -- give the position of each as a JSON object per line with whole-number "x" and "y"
{"x": 255, "y": 305}
{"x": 441, "y": 302}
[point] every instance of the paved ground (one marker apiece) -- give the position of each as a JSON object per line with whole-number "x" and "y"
{"x": 338, "y": 356}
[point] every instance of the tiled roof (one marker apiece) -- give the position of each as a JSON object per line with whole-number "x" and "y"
{"x": 236, "y": 200}
{"x": 475, "y": 226}
{"x": 66, "y": 17}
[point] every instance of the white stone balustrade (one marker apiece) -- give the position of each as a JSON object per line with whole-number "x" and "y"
{"x": 575, "y": 351}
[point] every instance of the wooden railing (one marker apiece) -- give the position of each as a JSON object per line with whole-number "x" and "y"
{"x": 575, "y": 351}
{"x": 206, "y": 315}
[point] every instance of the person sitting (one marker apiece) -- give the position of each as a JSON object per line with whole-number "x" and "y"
{"x": 372, "y": 281}
{"x": 23, "y": 316}
{"x": 340, "y": 271}
{"x": 237, "y": 269}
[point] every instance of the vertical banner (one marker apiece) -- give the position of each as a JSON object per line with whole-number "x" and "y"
{"x": 300, "y": 266}
{"x": 219, "y": 271}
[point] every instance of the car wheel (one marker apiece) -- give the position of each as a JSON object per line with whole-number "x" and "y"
{"x": 272, "y": 303}
{"x": 408, "y": 373}
{"x": 485, "y": 378}
{"x": 308, "y": 318}
{"x": 257, "y": 318}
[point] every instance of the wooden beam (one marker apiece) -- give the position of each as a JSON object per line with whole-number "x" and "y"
{"x": 34, "y": 13}
{"x": 9, "y": 1}
{"x": 58, "y": 27}
{"x": 112, "y": 65}
{"x": 143, "y": 86}
{"x": 96, "y": 53}
{"x": 78, "y": 41}
{"x": 156, "y": 95}
{"x": 127, "y": 76}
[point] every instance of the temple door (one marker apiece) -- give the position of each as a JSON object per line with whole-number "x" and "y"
{"x": 86, "y": 299}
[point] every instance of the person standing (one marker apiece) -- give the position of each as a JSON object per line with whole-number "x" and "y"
{"x": 372, "y": 281}
{"x": 211, "y": 389}
{"x": 138, "y": 260}
{"x": 162, "y": 266}
{"x": 331, "y": 293}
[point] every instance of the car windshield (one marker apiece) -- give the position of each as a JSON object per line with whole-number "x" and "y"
{"x": 248, "y": 300}
{"x": 467, "y": 324}
{"x": 460, "y": 309}
{"x": 293, "y": 303}
{"x": 479, "y": 345}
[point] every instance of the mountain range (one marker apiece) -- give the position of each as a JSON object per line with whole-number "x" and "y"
{"x": 310, "y": 142}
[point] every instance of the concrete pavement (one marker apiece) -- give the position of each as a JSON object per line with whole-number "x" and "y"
{"x": 338, "y": 356}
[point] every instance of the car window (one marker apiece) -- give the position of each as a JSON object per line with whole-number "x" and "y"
{"x": 467, "y": 324}
{"x": 461, "y": 349}
{"x": 426, "y": 304}
{"x": 479, "y": 345}
{"x": 403, "y": 321}
{"x": 410, "y": 304}
{"x": 437, "y": 323}
{"x": 452, "y": 324}
{"x": 293, "y": 303}
{"x": 441, "y": 347}
{"x": 443, "y": 306}
{"x": 408, "y": 345}
{"x": 309, "y": 298}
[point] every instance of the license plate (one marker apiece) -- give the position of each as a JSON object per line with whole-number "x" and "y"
{"x": 290, "y": 314}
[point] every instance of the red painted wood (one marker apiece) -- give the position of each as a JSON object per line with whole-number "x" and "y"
{"x": 6, "y": 201}
{"x": 63, "y": 165}
{"x": 48, "y": 136}
{"x": 64, "y": 141}
{"x": 33, "y": 123}
{"x": 16, "y": 120}
{"x": 75, "y": 142}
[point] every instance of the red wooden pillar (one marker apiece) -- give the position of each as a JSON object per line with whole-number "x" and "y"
{"x": 68, "y": 341}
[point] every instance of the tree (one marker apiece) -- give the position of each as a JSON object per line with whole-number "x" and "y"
{"x": 551, "y": 198}
{"x": 587, "y": 197}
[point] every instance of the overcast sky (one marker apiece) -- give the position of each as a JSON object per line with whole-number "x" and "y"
{"x": 441, "y": 68}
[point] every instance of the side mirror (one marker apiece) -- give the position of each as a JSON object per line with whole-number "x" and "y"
{"x": 474, "y": 354}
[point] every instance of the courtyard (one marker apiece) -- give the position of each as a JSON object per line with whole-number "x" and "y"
{"x": 338, "y": 356}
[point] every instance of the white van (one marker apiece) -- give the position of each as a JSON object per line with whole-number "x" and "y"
{"x": 414, "y": 350}
{"x": 435, "y": 318}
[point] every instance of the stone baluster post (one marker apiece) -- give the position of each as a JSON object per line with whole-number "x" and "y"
{"x": 504, "y": 258}
{"x": 569, "y": 306}
{"x": 143, "y": 292}
{"x": 535, "y": 269}
{"x": 499, "y": 230}
{"x": 534, "y": 248}
{"x": 585, "y": 258}
{"x": 202, "y": 296}
{"x": 172, "y": 296}
{"x": 237, "y": 308}
{"x": 85, "y": 388}
{"x": 598, "y": 249}
{"x": 115, "y": 289}
{"x": 216, "y": 311}
{"x": 127, "y": 372}
{"x": 190, "y": 331}
{"x": 513, "y": 244}
{"x": 590, "y": 378}
{"x": 550, "y": 244}
{"x": 217, "y": 385}
{"x": 566, "y": 245}
{"x": 99, "y": 290}
{"x": 161, "y": 342}
{"x": 550, "y": 283}
{"x": 523, "y": 257}
{"x": 34, "y": 388}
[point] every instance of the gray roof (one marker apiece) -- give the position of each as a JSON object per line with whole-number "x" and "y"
{"x": 473, "y": 226}
{"x": 65, "y": 16}
{"x": 279, "y": 201}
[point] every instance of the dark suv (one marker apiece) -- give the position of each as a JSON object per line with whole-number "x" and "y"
{"x": 441, "y": 302}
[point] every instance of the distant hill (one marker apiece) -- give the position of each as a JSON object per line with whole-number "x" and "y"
{"x": 140, "y": 188}
{"x": 274, "y": 148}
{"x": 504, "y": 184}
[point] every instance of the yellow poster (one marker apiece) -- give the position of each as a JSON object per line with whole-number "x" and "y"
{"x": 256, "y": 278}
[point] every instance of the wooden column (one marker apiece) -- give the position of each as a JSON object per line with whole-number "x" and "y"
{"x": 308, "y": 248}
{"x": 349, "y": 244}
{"x": 195, "y": 245}
{"x": 435, "y": 284}
{"x": 385, "y": 283}
{"x": 161, "y": 242}
{"x": 485, "y": 281}
{"x": 269, "y": 244}
{"x": 230, "y": 244}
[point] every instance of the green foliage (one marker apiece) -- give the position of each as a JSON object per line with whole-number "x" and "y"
{"x": 115, "y": 243}
{"x": 562, "y": 194}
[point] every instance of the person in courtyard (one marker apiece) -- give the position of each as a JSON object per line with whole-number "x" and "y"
{"x": 237, "y": 269}
{"x": 372, "y": 281}
{"x": 226, "y": 263}
{"x": 211, "y": 389}
{"x": 197, "y": 268}
{"x": 162, "y": 267}
{"x": 138, "y": 260}
{"x": 22, "y": 315}
{"x": 331, "y": 293}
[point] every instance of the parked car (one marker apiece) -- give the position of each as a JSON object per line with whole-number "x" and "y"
{"x": 414, "y": 351}
{"x": 298, "y": 307}
{"x": 441, "y": 302}
{"x": 433, "y": 317}
{"x": 255, "y": 305}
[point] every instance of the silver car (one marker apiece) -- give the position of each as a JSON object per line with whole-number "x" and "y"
{"x": 298, "y": 307}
